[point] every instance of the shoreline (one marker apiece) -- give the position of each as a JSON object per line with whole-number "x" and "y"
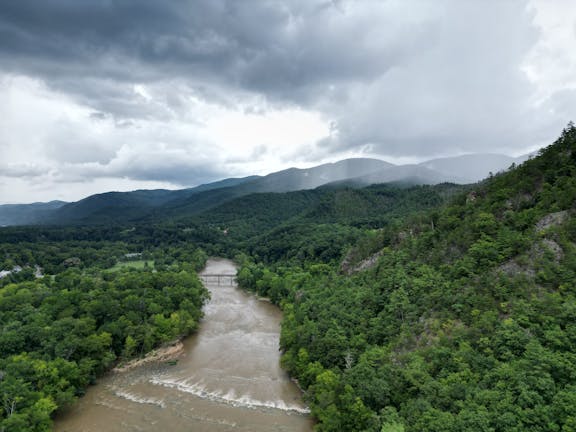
{"x": 170, "y": 351}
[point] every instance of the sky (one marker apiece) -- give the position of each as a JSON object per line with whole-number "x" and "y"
{"x": 101, "y": 95}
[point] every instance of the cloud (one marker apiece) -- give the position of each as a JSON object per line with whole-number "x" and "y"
{"x": 564, "y": 102}
{"x": 154, "y": 162}
{"x": 23, "y": 170}
{"x": 186, "y": 91}
{"x": 464, "y": 91}
{"x": 288, "y": 50}
{"x": 200, "y": 142}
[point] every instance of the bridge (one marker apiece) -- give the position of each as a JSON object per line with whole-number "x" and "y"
{"x": 218, "y": 279}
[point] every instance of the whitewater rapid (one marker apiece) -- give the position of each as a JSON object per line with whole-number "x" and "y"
{"x": 228, "y": 378}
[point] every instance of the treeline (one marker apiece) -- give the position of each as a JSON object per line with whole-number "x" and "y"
{"x": 53, "y": 257}
{"x": 65, "y": 326}
{"x": 466, "y": 322}
{"x": 247, "y": 219}
{"x": 462, "y": 318}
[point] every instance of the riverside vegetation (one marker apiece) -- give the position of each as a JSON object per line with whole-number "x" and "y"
{"x": 467, "y": 321}
{"x": 406, "y": 308}
{"x": 61, "y": 331}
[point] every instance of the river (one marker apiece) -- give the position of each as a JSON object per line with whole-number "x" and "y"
{"x": 228, "y": 378}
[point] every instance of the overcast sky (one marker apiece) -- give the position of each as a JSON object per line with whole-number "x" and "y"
{"x": 100, "y": 95}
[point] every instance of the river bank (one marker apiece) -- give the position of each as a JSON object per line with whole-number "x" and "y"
{"x": 227, "y": 376}
{"x": 169, "y": 352}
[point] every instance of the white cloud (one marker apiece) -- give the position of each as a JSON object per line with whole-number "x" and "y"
{"x": 274, "y": 136}
{"x": 551, "y": 64}
{"x": 25, "y": 190}
{"x": 62, "y": 149}
{"x": 173, "y": 98}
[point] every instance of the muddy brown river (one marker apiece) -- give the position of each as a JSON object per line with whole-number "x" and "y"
{"x": 228, "y": 379}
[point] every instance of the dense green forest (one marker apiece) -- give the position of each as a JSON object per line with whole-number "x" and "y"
{"x": 63, "y": 327}
{"x": 406, "y": 308}
{"x": 465, "y": 322}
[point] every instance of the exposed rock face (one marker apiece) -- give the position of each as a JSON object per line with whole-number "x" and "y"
{"x": 72, "y": 262}
{"x": 548, "y": 245}
{"x": 550, "y": 220}
{"x": 518, "y": 201}
{"x": 514, "y": 268}
{"x": 365, "y": 264}
{"x": 472, "y": 196}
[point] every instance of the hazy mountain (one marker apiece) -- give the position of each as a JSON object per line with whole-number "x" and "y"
{"x": 289, "y": 180}
{"x": 125, "y": 206}
{"x": 409, "y": 174}
{"x": 459, "y": 169}
{"x": 466, "y": 310}
{"x": 473, "y": 167}
{"x": 229, "y": 182}
{"x": 294, "y": 179}
{"x": 111, "y": 207}
{"x": 149, "y": 205}
{"x": 27, "y": 214}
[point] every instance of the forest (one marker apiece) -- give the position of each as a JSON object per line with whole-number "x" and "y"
{"x": 84, "y": 314}
{"x": 406, "y": 308}
{"x": 465, "y": 321}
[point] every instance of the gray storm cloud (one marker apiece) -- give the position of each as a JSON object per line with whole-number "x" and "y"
{"x": 402, "y": 78}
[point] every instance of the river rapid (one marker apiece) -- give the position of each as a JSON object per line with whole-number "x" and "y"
{"x": 228, "y": 378}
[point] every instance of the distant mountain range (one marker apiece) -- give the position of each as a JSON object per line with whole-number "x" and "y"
{"x": 27, "y": 214}
{"x": 146, "y": 205}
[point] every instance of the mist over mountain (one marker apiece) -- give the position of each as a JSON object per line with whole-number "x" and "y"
{"x": 354, "y": 164}
{"x": 405, "y": 308}
{"x": 294, "y": 179}
{"x": 409, "y": 174}
{"x": 473, "y": 167}
{"x": 25, "y": 214}
{"x": 147, "y": 205}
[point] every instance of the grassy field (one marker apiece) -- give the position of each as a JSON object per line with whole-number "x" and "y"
{"x": 140, "y": 264}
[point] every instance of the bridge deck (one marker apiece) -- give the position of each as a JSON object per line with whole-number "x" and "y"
{"x": 220, "y": 279}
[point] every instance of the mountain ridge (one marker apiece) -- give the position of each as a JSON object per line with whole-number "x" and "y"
{"x": 133, "y": 206}
{"x": 455, "y": 319}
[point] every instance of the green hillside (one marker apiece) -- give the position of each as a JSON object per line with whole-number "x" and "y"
{"x": 466, "y": 322}
{"x": 159, "y": 206}
{"x": 25, "y": 214}
{"x": 151, "y": 206}
{"x": 406, "y": 308}
{"x": 65, "y": 327}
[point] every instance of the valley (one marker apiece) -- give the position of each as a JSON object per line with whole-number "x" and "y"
{"x": 227, "y": 376}
{"x": 287, "y": 215}
{"x": 155, "y": 205}
{"x": 404, "y": 308}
